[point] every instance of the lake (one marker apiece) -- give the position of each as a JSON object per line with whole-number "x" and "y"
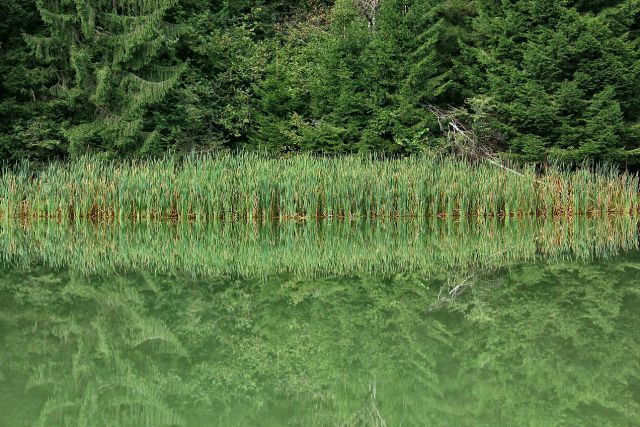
{"x": 418, "y": 323}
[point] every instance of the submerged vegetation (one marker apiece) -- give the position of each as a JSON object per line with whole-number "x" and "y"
{"x": 253, "y": 187}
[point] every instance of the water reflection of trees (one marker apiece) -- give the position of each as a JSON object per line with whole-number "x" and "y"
{"x": 89, "y": 351}
{"x": 547, "y": 342}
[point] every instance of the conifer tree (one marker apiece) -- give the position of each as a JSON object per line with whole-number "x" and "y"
{"x": 118, "y": 54}
{"x": 564, "y": 75}
{"x": 437, "y": 61}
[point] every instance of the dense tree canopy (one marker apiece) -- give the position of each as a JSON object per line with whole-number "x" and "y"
{"x": 542, "y": 79}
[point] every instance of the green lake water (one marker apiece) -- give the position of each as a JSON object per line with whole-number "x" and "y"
{"x": 397, "y": 324}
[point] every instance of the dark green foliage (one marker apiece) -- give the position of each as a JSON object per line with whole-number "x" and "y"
{"x": 565, "y": 79}
{"x": 30, "y": 117}
{"x": 113, "y": 56}
{"x": 356, "y": 86}
{"x": 540, "y": 79}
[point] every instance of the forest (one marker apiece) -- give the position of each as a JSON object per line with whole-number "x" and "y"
{"x": 535, "y": 80}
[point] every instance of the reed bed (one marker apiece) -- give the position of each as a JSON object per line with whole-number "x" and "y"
{"x": 312, "y": 249}
{"x": 256, "y": 188}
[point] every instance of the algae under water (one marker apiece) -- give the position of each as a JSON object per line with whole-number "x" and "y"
{"x": 334, "y": 324}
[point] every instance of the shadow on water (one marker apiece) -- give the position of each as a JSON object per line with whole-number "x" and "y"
{"x": 404, "y": 324}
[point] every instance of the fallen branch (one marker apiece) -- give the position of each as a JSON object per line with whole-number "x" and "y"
{"x": 463, "y": 141}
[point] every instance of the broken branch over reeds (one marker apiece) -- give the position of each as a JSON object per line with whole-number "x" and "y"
{"x": 463, "y": 141}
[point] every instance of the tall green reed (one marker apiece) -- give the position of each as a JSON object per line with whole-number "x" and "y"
{"x": 256, "y": 188}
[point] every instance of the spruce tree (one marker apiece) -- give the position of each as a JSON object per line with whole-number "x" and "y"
{"x": 437, "y": 58}
{"x": 119, "y": 61}
{"x": 564, "y": 75}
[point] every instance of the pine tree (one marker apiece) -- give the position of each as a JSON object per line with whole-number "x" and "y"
{"x": 118, "y": 54}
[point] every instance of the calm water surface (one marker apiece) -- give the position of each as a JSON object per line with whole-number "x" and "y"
{"x": 534, "y": 340}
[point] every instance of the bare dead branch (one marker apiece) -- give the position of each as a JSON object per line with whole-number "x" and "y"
{"x": 464, "y": 142}
{"x": 369, "y": 9}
